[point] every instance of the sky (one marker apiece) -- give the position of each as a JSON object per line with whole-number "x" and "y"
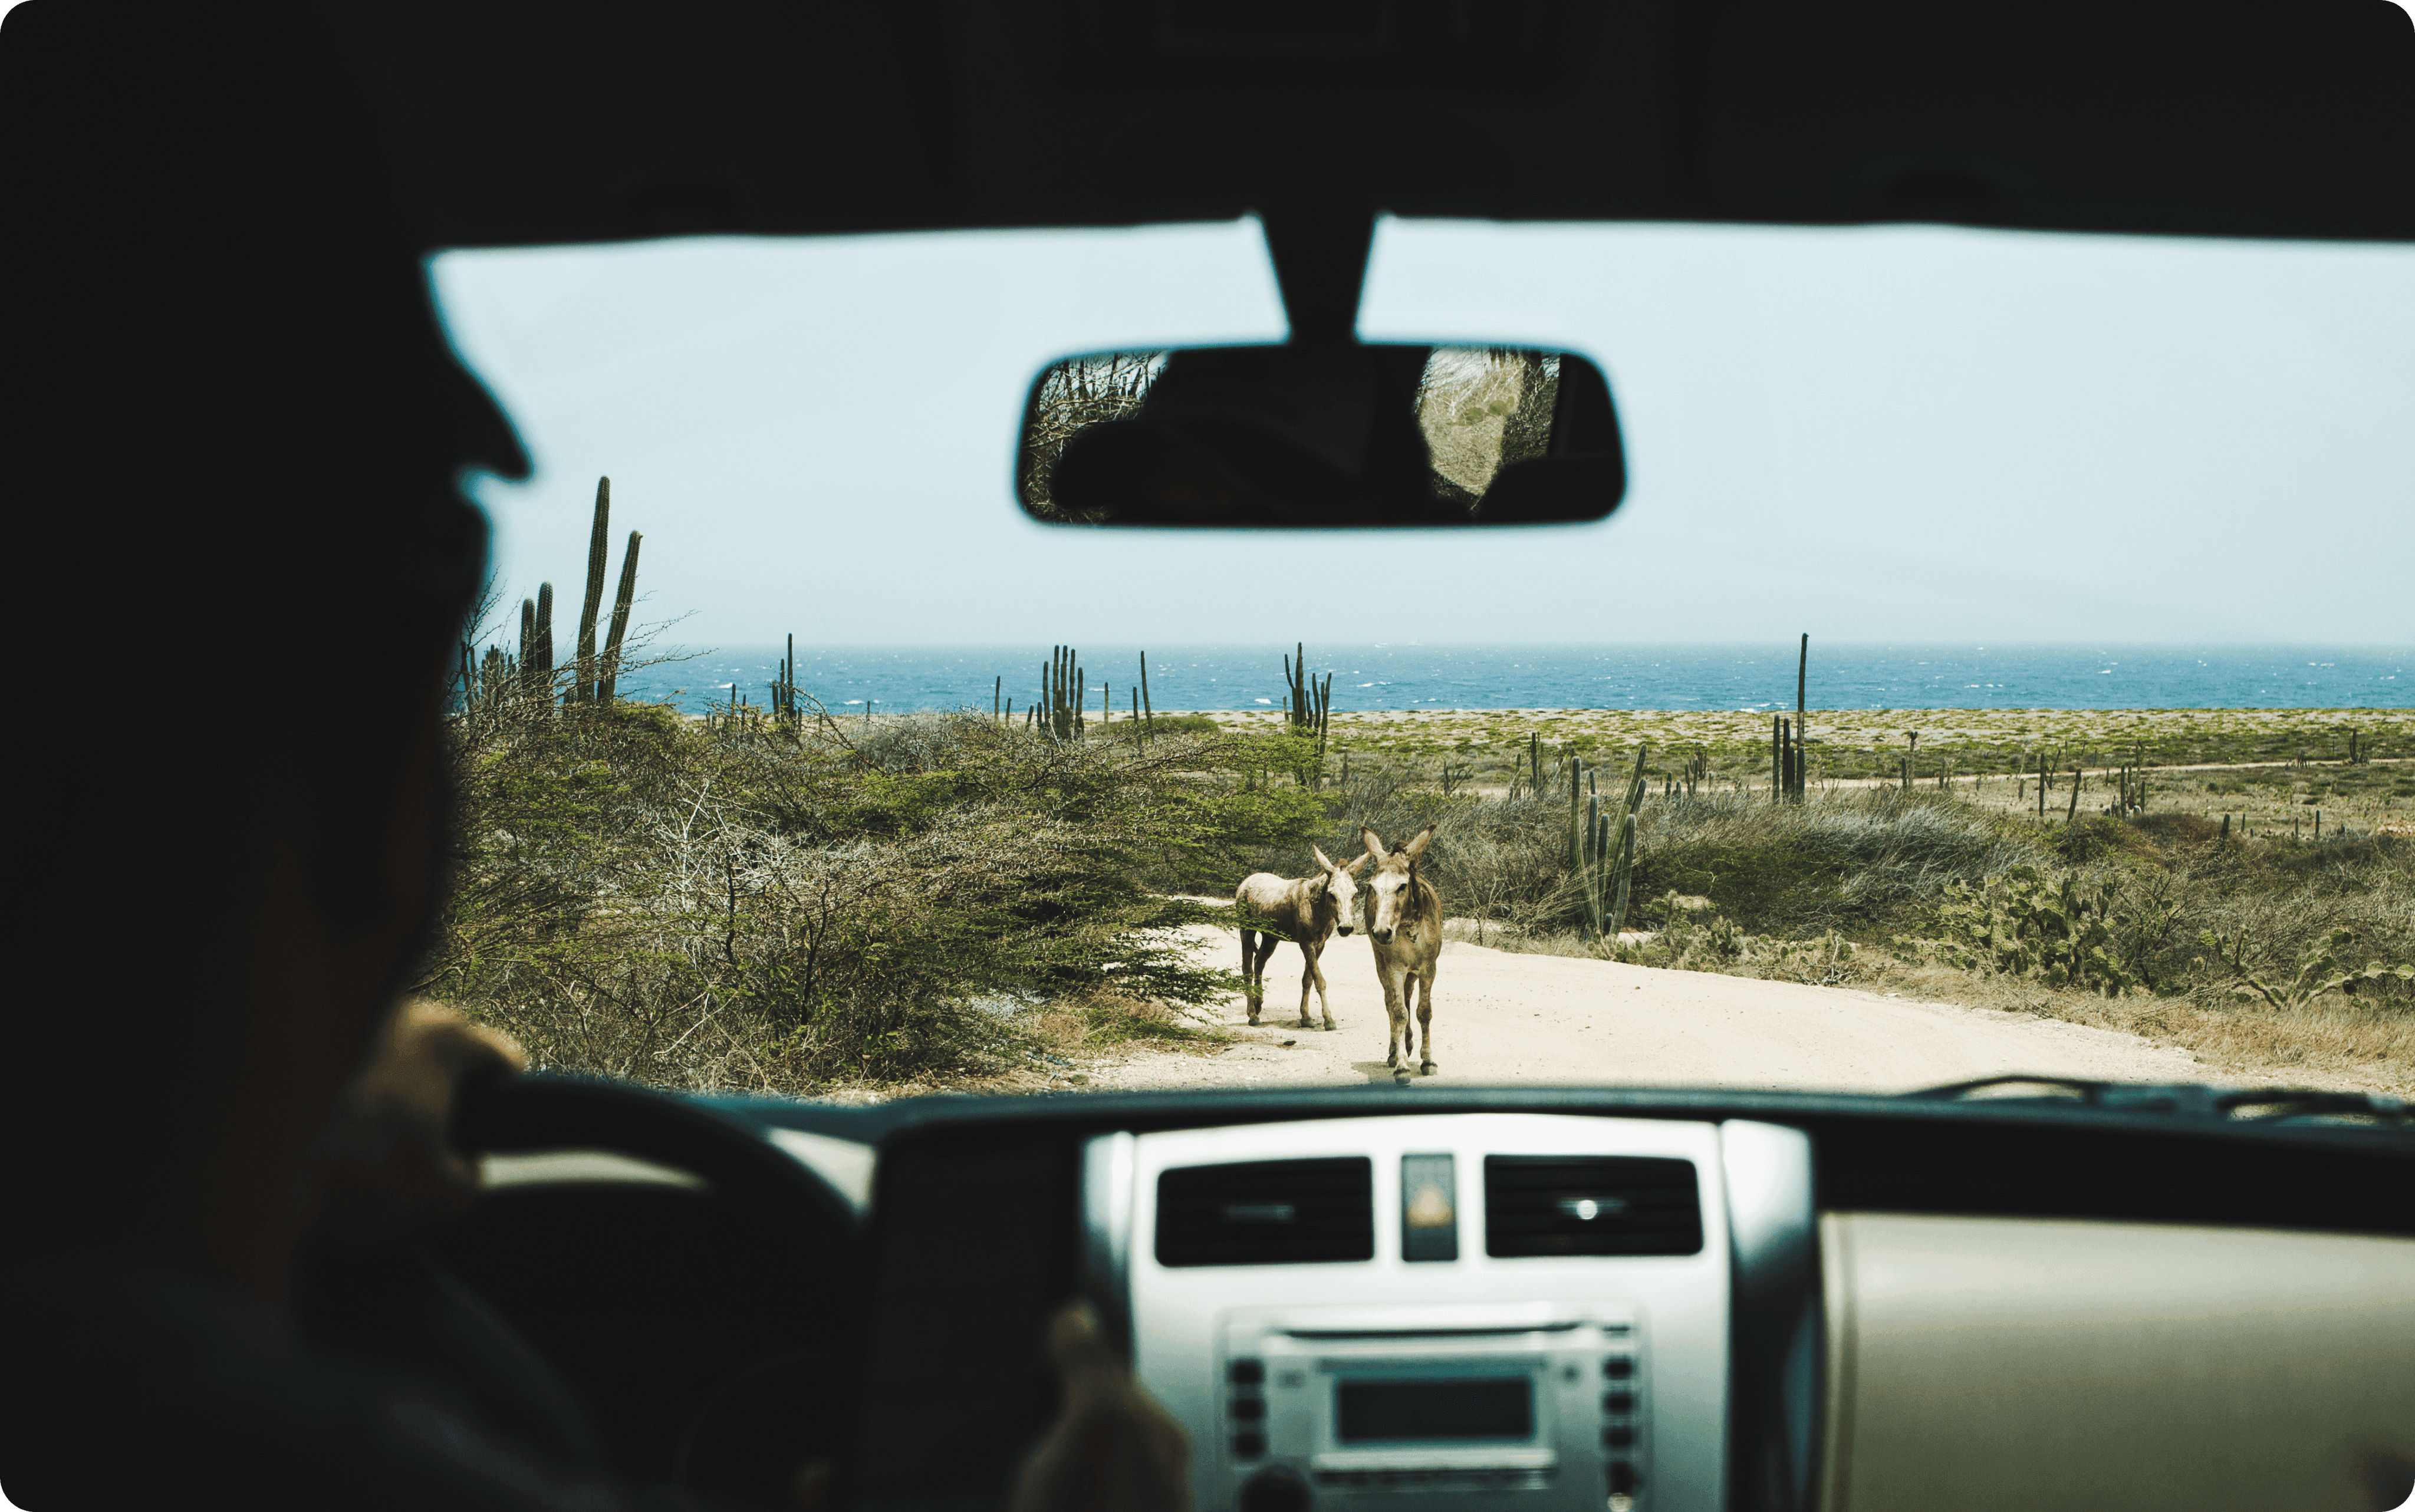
{"x": 1902, "y": 433}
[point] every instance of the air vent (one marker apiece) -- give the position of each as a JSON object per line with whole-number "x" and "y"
{"x": 1267, "y": 1213}
{"x": 1555, "y": 1205}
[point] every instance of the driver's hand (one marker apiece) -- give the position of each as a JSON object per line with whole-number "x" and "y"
{"x": 392, "y": 1167}
{"x": 1112, "y": 1447}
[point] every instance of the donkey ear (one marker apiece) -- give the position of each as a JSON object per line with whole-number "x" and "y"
{"x": 1352, "y": 870}
{"x": 1373, "y": 842}
{"x": 1417, "y": 846}
{"x": 1322, "y": 859}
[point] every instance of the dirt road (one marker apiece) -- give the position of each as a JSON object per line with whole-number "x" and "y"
{"x": 1503, "y": 1018}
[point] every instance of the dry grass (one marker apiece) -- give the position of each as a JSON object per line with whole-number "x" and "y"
{"x": 2262, "y": 766}
{"x": 1844, "y": 890}
{"x": 2334, "y": 1042}
{"x": 759, "y": 909}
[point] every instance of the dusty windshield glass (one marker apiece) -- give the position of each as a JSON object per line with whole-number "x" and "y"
{"x": 1993, "y": 621}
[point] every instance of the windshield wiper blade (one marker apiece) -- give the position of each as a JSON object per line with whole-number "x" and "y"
{"x": 2273, "y": 1104}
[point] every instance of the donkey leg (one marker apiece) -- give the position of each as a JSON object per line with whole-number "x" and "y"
{"x": 1396, "y": 1016}
{"x": 1425, "y": 1022}
{"x": 1253, "y": 987}
{"x": 1309, "y": 978}
{"x": 1324, "y": 1003}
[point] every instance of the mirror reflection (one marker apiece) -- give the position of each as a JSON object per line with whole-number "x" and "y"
{"x": 1321, "y": 435}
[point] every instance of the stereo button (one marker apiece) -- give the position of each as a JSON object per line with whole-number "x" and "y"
{"x": 1621, "y": 1437}
{"x": 1246, "y": 1372}
{"x": 1618, "y": 1401}
{"x": 1618, "y": 1366}
{"x": 1249, "y": 1446}
{"x": 1249, "y": 1409}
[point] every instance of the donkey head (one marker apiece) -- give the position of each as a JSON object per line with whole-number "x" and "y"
{"x": 1337, "y": 890}
{"x": 1388, "y": 884}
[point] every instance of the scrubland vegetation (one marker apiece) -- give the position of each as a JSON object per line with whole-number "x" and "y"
{"x": 2259, "y": 953}
{"x": 791, "y": 905}
{"x": 768, "y": 898}
{"x": 797, "y": 904}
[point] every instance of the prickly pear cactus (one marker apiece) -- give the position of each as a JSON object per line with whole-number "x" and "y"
{"x": 2057, "y": 930}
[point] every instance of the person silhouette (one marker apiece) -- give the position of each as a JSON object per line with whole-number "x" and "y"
{"x": 232, "y": 443}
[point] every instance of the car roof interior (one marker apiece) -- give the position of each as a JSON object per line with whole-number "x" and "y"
{"x": 546, "y": 122}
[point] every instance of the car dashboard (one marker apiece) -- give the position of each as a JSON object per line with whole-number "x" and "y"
{"x": 1533, "y": 1300}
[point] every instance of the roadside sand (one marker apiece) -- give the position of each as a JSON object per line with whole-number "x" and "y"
{"x": 1504, "y": 1018}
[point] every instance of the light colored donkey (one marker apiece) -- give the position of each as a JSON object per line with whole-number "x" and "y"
{"x": 1404, "y": 925}
{"x": 1307, "y": 912}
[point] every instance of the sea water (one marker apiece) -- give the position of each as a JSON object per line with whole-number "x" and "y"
{"x": 1400, "y": 675}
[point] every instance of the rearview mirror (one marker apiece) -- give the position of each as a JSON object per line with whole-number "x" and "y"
{"x": 1321, "y": 434}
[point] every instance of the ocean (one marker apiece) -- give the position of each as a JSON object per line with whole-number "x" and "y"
{"x": 1402, "y": 675}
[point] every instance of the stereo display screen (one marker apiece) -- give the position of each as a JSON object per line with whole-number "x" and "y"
{"x": 1396, "y": 1411}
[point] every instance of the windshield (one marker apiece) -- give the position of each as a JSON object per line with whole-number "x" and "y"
{"x": 1994, "y": 622}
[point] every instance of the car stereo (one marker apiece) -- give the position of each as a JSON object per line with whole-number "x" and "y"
{"x": 1351, "y": 1401}
{"x": 1435, "y": 1311}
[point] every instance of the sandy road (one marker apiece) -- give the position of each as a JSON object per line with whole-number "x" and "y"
{"x": 1503, "y": 1018}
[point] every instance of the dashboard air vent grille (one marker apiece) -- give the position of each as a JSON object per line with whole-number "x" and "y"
{"x": 1267, "y": 1213}
{"x": 1590, "y": 1204}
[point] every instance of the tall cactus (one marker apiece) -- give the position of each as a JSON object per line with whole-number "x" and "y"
{"x": 545, "y": 635}
{"x": 1062, "y": 691}
{"x": 1622, "y": 873}
{"x": 622, "y": 598}
{"x": 1601, "y": 844}
{"x": 1307, "y": 700}
{"x": 786, "y": 711}
{"x": 525, "y": 662}
{"x": 1576, "y": 832}
{"x": 536, "y": 644}
{"x": 1589, "y": 878}
{"x": 1623, "y": 868}
{"x": 583, "y": 688}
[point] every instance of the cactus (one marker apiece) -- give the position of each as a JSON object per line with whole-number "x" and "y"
{"x": 497, "y": 671}
{"x": 1606, "y": 852}
{"x": 1624, "y": 864}
{"x": 786, "y": 711}
{"x": 1589, "y": 878}
{"x": 1622, "y": 873}
{"x": 536, "y": 644}
{"x": 583, "y": 688}
{"x": 1063, "y": 690}
{"x": 1310, "y": 700}
{"x": 622, "y": 598}
{"x": 1576, "y": 790}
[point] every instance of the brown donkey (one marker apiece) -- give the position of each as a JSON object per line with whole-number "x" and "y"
{"x": 1307, "y": 912}
{"x": 1404, "y": 925}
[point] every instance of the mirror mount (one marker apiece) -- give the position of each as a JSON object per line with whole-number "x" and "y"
{"x": 1320, "y": 256}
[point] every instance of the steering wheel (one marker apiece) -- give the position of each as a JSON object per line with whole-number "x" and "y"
{"x": 741, "y": 1429}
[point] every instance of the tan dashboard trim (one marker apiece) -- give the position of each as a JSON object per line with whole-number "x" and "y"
{"x": 1979, "y": 1363}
